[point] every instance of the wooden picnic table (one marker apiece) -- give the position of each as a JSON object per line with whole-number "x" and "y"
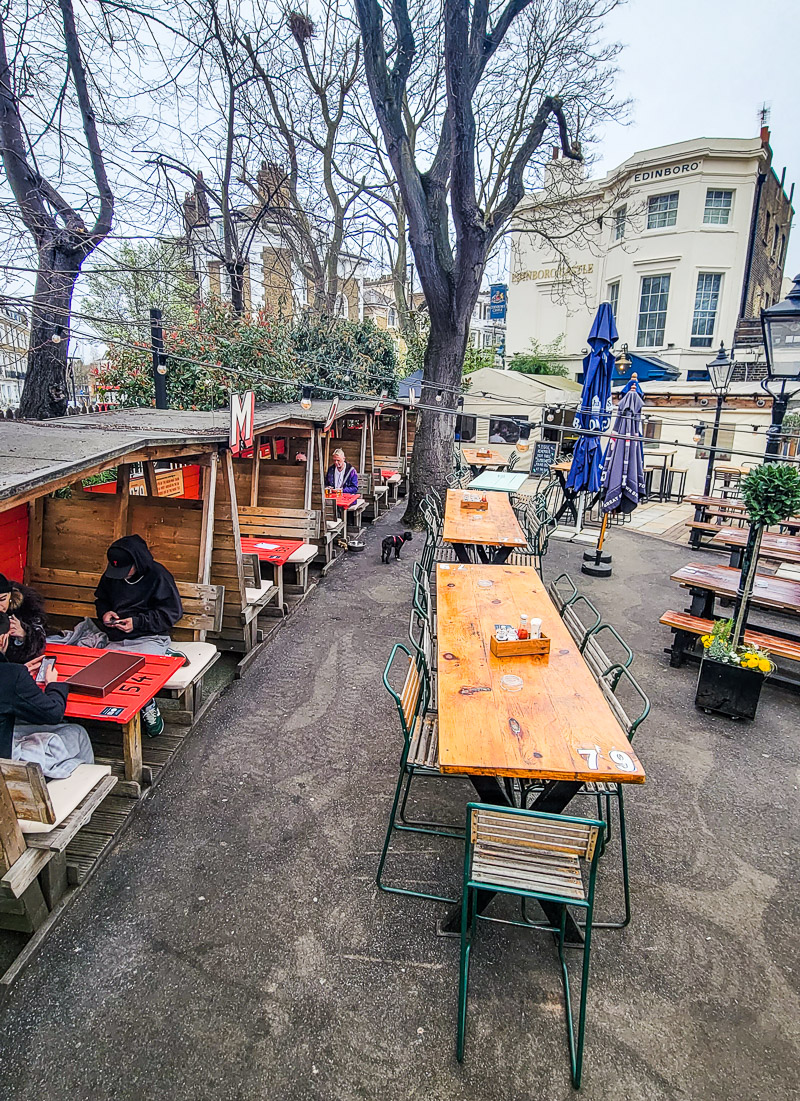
{"x": 778, "y": 548}
{"x": 499, "y": 481}
{"x": 122, "y": 706}
{"x": 558, "y": 728}
{"x": 478, "y": 462}
{"x": 707, "y": 582}
{"x": 495, "y": 527}
{"x": 275, "y": 552}
{"x": 732, "y": 504}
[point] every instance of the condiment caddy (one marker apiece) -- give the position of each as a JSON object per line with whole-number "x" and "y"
{"x": 526, "y": 640}
{"x": 476, "y": 501}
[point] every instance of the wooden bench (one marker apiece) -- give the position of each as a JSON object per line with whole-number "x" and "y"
{"x": 285, "y": 523}
{"x": 38, "y": 819}
{"x": 397, "y": 479}
{"x": 69, "y": 597}
{"x": 374, "y": 493}
{"x": 688, "y": 628}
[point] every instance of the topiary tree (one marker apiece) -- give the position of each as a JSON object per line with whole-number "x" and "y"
{"x": 772, "y": 494}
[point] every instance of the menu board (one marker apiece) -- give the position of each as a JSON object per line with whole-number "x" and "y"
{"x": 545, "y": 453}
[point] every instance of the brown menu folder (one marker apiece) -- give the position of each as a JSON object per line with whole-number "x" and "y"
{"x": 105, "y": 674}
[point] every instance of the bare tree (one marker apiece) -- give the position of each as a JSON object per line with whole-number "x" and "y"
{"x": 56, "y": 223}
{"x": 460, "y": 191}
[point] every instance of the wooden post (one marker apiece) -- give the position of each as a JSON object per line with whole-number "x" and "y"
{"x": 363, "y": 458}
{"x": 309, "y": 468}
{"x": 132, "y": 748}
{"x": 401, "y": 426}
{"x": 237, "y": 535}
{"x": 372, "y": 441}
{"x": 322, "y": 482}
{"x": 124, "y": 495}
{"x": 12, "y": 842}
{"x": 35, "y": 529}
{"x": 255, "y": 473}
{"x": 209, "y": 491}
{"x": 150, "y": 479}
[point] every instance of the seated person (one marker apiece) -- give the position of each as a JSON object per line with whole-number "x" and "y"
{"x": 139, "y": 604}
{"x": 25, "y": 609}
{"x": 31, "y": 727}
{"x": 341, "y": 475}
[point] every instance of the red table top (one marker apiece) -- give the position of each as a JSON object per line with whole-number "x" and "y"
{"x": 345, "y": 500}
{"x": 127, "y": 698}
{"x": 389, "y": 473}
{"x": 274, "y": 551}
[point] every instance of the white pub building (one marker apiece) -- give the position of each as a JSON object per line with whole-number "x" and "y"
{"x": 687, "y": 242}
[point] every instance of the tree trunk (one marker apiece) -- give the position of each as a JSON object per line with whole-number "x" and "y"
{"x": 747, "y": 576}
{"x": 45, "y": 392}
{"x": 236, "y": 276}
{"x": 432, "y": 459}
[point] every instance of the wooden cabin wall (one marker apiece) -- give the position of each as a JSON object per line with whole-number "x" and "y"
{"x": 352, "y": 451}
{"x": 387, "y": 426}
{"x": 14, "y": 541}
{"x": 412, "y": 430}
{"x": 75, "y": 532}
{"x": 226, "y": 561}
{"x": 171, "y": 527}
{"x": 281, "y": 485}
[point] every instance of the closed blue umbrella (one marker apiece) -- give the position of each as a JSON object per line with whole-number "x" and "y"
{"x": 623, "y": 465}
{"x": 596, "y": 408}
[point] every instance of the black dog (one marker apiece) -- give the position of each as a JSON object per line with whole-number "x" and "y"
{"x": 393, "y": 543}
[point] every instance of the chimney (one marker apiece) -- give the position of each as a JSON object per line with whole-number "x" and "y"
{"x": 555, "y": 153}
{"x": 765, "y": 136}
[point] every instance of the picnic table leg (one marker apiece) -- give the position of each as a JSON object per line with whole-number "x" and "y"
{"x": 555, "y": 797}
{"x": 736, "y": 557}
{"x": 277, "y": 577}
{"x": 132, "y": 748}
{"x": 702, "y": 603}
{"x": 462, "y": 553}
{"x": 500, "y": 555}
{"x": 696, "y": 534}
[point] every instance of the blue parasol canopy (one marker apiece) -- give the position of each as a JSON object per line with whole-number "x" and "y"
{"x": 596, "y": 406}
{"x": 623, "y": 465}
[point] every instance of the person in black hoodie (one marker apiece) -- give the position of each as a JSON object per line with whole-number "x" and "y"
{"x": 138, "y": 603}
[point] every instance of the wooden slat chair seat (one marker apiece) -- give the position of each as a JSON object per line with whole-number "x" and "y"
{"x": 581, "y": 618}
{"x": 597, "y": 652}
{"x": 69, "y": 596}
{"x": 420, "y": 755}
{"x": 38, "y": 819}
{"x": 531, "y": 855}
{"x": 394, "y": 481}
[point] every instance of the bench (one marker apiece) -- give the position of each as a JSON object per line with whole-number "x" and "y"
{"x": 285, "y": 523}
{"x": 374, "y": 493}
{"x": 38, "y": 819}
{"x": 69, "y": 597}
{"x": 688, "y": 628}
{"x": 394, "y": 483}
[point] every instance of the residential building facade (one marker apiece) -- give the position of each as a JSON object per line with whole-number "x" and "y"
{"x": 14, "y": 339}
{"x": 687, "y": 242}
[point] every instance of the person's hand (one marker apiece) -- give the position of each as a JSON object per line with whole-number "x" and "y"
{"x": 125, "y": 625}
{"x": 16, "y": 630}
{"x": 33, "y": 666}
{"x": 110, "y": 619}
{"x": 51, "y": 676}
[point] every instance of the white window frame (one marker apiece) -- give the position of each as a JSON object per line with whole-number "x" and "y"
{"x": 717, "y": 208}
{"x": 612, "y": 295}
{"x": 669, "y": 210}
{"x": 619, "y": 223}
{"x": 702, "y": 312}
{"x": 652, "y": 329}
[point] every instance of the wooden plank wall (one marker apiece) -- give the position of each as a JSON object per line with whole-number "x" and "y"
{"x": 387, "y": 425}
{"x": 14, "y": 541}
{"x": 226, "y": 561}
{"x": 281, "y": 485}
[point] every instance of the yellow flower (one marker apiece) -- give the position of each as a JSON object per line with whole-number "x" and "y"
{"x": 764, "y": 664}
{"x": 706, "y": 641}
{"x": 749, "y": 661}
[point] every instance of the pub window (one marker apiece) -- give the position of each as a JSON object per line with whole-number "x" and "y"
{"x": 783, "y": 248}
{"x": 620, "y": 215}
{"x": 718, "y": 207}
{"x": 724, "y": 443}
{"x": 775, "y": 239}
{"x": 466, "y": 428}
{"x": 651, "y": 431}
{"x": 613, "y": 296}
{"x": 503, "y": 431}
{"x": 706, "y": 302}
{"x": 653, "y": 311}
{"x": 662, "y": 210}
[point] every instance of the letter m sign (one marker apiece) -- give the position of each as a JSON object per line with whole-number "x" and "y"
{"x": 242, "y": 411}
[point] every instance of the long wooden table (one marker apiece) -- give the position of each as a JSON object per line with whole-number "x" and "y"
{"x": 494, "y": 527}
{"x": 707, "y": 582}
{"x": 778, "y": 548}
{"x": 558, "y": 728}
{"x": 494, "y": 460}
{"x": 122, "y": 706}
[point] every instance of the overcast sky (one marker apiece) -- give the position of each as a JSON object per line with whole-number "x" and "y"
{"x": 702, "y": 68}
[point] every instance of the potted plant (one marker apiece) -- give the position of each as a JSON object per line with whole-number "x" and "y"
{"x": 732, "y": 671}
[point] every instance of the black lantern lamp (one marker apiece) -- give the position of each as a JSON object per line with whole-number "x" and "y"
{"x": 781, "y": 327}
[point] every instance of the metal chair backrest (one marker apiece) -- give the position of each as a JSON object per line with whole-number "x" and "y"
{"x": 562, "y": 591}
{"x": 412, "y": 699}
{"x": 421, "y": 639}
{"x": 513, "y": 459}
{"x": 595, "y": 652}
{"x": 579, "y": 627}
{"x": 453, "y": 480}
{"x": 626, "y": 698}
{"x": 422, "y": 593}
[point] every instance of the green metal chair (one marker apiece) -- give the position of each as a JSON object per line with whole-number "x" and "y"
{"x": 562, "y": 591}
{"x": 595, "y": 650}
{"x": 420, "y": 757}
{"x": 531, "y": 855}
{"x": 631, "y": 706}
{"x": 580, "y": 628}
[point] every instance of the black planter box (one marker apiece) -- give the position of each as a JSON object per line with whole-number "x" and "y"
{"x": 728, "y": 689}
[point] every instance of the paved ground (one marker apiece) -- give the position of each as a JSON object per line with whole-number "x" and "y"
{"x": 235, "y": 947}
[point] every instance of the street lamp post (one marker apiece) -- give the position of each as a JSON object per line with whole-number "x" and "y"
{"x": 720, "y": 371}
{"x": 781, "y": 327}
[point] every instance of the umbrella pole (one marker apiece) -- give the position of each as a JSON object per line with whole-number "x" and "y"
{"x": 595, "y": 563}
{"x": 602, "y": 535}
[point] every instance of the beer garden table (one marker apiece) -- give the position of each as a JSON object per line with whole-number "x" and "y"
{"x": 494, "y": 527}
{"x": 778, "y": 548}
{"x": 558, "y": 728}
{"x": 500, "y": 481}
{"x": 478, "y": 462}
{"x": 122, "y": 706}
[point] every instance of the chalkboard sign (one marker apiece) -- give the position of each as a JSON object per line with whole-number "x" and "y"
{"x": 545, "y": 453}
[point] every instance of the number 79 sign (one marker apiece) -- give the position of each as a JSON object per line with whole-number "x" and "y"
{"x": 623, "y": 761}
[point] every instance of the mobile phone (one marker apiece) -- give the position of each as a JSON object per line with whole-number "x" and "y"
{"x": 44, "y": 669}
{"x": 114, "y": 617}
